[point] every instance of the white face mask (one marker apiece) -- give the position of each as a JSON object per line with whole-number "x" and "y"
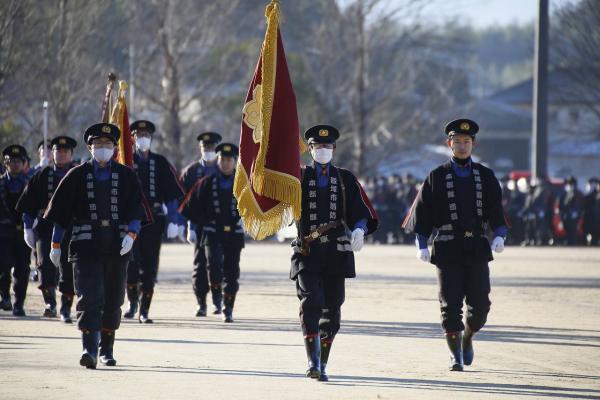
{"x": 102, "y": 155}
{"x": 143, "y": 143}
{"x": 209, "y": 156}
{"x": 322, "y": 156}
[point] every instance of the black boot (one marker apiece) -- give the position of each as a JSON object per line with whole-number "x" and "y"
{"x": 145, "y": 302}
{"x": 467, "y": 345}
{"x": 107, "y": 343}
{"x": 454, "y": 340}
{"x": 66, "y": 302}
{"x": 325, "y": 349}
{"x": 217, "y": 298}
{"x": 201, "y": 311}
{"x": 228, "y": 301}
{"x": 5, "y": 303}
{"x": 89, "y": 358}
{"x": 49, "y": 295}
{"x": 133, "y": 299}
{"x": 18, "y": 310}
{"x": 313, "y": 353}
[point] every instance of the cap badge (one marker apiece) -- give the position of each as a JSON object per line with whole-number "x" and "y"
{"x": 465, "y": 126}
{"x": 106, "y": 129}
{"x": 323, "y": 133}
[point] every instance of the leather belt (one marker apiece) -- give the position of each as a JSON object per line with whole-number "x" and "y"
{"x": 314, "y": 235}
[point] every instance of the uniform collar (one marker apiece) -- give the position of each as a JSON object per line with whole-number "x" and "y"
{"x": 140, "y": 155}
{"x": 226, "y": 177}
{"x": 97, "y": 166}
{"x": 65, "y": 169}
{"x": 19, "y": 178}
{"x": 321, "y": 167}
{"x": 455, "y": 163}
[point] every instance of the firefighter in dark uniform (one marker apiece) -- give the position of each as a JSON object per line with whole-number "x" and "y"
{"x": 45, "y": 159}
{"x": 191, "y": 174}
{"x": 101, "y": 200}
{"x": 336, "y": 216}
{"x": 460, "y": 199}
{"x": 14, "y": 252}
{"x": 160, "y": 185}
{"x": 591, "y": 212}
{"x": 570, "y": 206}
{"x": 38, "y": 232}
{"x": 212, "y": 206}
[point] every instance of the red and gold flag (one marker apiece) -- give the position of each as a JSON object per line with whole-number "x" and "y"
{"x": 267, "y": 181}
{"x": 120, "y": 118}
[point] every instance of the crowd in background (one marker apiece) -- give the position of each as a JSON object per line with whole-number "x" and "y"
{"x": 540, "y": 213}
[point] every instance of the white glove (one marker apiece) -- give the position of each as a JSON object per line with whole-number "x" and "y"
{"x": 423, "y": 255}
{"x": 172, "y": 230}
{"x": 29, "y": 237}
{"x": 357, "y": 240}
{"x": 181, "y": 232}
{"x": 55, "y": 257}
{"x": 498, "y": 244}
{"x": 191, "y": 236}
{"x": 126, "y": 244}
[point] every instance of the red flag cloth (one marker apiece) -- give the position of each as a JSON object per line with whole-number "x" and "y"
{"x": 267, "y": 182}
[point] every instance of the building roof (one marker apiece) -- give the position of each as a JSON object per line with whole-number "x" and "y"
{"x": 559, "y": 80}
{"x": 495, "y": 117}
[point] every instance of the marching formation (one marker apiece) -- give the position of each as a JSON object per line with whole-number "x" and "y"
{"x": 97, "y": 230}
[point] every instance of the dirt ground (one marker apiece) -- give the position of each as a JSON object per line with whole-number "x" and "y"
{"x": 542, "y": 338}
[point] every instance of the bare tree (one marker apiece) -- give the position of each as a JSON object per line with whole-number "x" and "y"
{"x": 62, "y": 63}
{"x": 381, "y": 75}
{"x": 576, "y": 40}
{"x": 186, "y": 63}
{"x": 10, "y": 14}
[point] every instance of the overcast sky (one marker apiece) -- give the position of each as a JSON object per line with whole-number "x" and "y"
{"x": 480, "y": 13}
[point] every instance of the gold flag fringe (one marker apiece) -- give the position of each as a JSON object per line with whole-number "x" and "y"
{"x": 268, "y": 75}
{"x": 257, "y": 223}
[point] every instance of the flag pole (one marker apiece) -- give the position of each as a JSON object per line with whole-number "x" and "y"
{"x": 106, "y": 103}
{"x": 45, "y": 132}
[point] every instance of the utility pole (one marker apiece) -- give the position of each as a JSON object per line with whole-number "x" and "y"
{"x": 539, "y": 137}
{"x": 131, "y": 53}
{"x": 131, "y": 78}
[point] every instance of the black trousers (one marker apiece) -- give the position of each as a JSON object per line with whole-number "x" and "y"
{"x": 468, "y": 281}
{"x": 200, "y": 274}
{"x": 100, "y": 289}
{"x": 223, "y": 264}
{"x": 143, "y": 268}
{"x": 321, "y": 297}
{"x": 15, "y": 255}
{"x": 66, "y": 282}
{"x": 51, "y": 276}
{"x": 48, "y": 272}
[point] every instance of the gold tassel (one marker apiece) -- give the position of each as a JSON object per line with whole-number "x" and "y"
{"x": 259, "y": 224}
